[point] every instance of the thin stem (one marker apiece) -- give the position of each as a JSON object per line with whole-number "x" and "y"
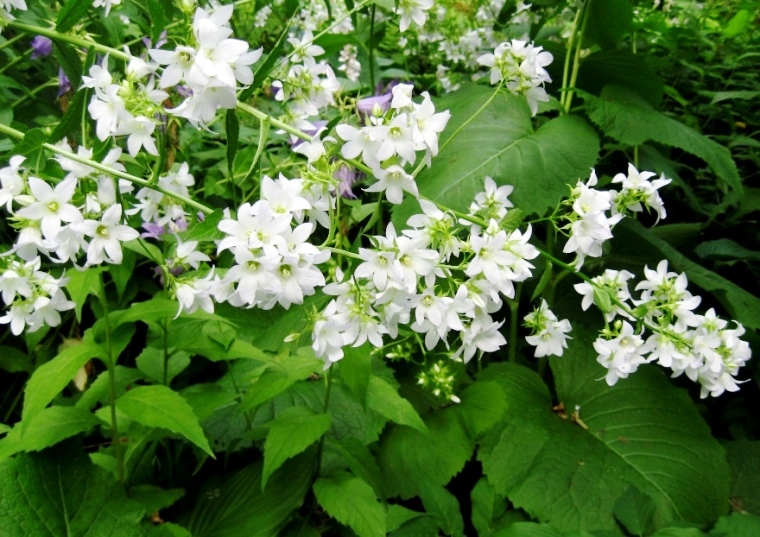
{"x": 52, "y": 34}
{"x": 328, "y": 380}
{"x": 513, "y": 323}
{"x": 566, "y": 68}
{"x": 4, "y": 129}
{"x": 372, "y": 47}
{"x": 111, "y": 364}
{"x": 35, "y": 91}
{"x": 11, "y": 41}
{"x": 342, "y": 252}
{"x": 577, "y": 57}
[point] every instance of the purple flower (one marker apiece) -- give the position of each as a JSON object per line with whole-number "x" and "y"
{"x": 347, "y": 178}
{"x": 367, "y": 105}
{"x": 64, "y": 85}
{"x": 41, "y": 47}
{"x": 316, "y": 128}
{"x": 152, "y": 231}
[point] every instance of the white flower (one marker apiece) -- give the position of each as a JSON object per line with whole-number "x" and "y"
{"x": 393, "y": 180}
{"x": 106, "y": 236}
{"x": 195, "y": 293}
{"x": 622, "y": 353}
{"x": 549, "y": 334}
{"x": 412, "y": 11}
{"x": 51, "y": 206}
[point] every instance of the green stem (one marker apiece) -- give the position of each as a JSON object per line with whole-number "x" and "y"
{"x": 342, "y": 252}
{"x": 21, "y": 58}
{"x": 372, "y": 48}
{"x": 111, "y": 364}
{"x": 328, "y": 380}
{"x": 35, "y": 91}
{"x": 4, "y": 129}
{"x": 566, "y": 68}
{"x": 513, "y": 323}
{"x": 11, "y": 41}
{"x": 577, "y": 56}
{"x": 52, "y": 34}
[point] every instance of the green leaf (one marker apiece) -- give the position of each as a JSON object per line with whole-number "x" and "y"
{"x": 635, "y": 511}
{"x": 50, "y": 378}
{"x": 68, "y": 59}
{"x": 13, "y": 360}
{"x": 740, "y": 304}
{"x": 236, "y": 506}
{"x": 385, "y": 400}
{"x": 31, "y": 145}
{"x": 487, "y": 506}
{"x": 620, "y": 67}
{"x": 352, "y": 502}
{"x": 483, "y": 404}
{"x": 157, "y": 19}
{"x": 725, "y": 249}
{"x": 159, "y": 406}
{"x": 626, "y": 117}
{"x": 744, "y": 458}
{"x": 642, "y": 432}
{"x": 154, "y": 498}
{"x": 83, "y": 283}
{"x": 99, "y": 390}
{"x": 145, "y": 249}
{"x": 359, "y": 460}
{"x": 608, "y": 22}
{"x": 47, "y": 428}
{"x": 737, "y": 525}
{"x": 151, "y": 362}
{"x": 502, "y": 143}
{"x": 60, "y": 492}
{"x": 355, "y": 369}
{"x": 738, "y": 24}
{"x": 72, "y": 119}
{"x": 406, "y": 466}
{"x": 72, "y": 12}
{"x": 294, "y": 430}
{"x": 720, "y": 96}
{"x": 396, "y": 516}
{"x": 207, "y": 230}
{"x": 444, "y": 508}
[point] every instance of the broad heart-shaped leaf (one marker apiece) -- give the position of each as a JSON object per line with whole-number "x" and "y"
{"x": 502, "y": 143}
{"x": 626, "y": 117}
{"x": 352, "y": 502}
{"x": 50, "y": 378}
{"x": 406, "y": 465}
{"x": 743, "y": 306}
{"x": 60, "y": 492}
{"x": 643, "y": 433}
{"x": 608, "y": 22}
{"x": 293, "y": 430}
{"x": 744, "y": 458}
{"x": 159, "y": 406}
{"x": 444, "y": 507}
{"x": 235, "y": 506}
{"x": 386, "y": 401}
{"x": 47, "y": 428}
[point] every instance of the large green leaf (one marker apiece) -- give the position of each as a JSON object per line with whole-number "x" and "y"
{"x": 352, "y": 502}
{"x": 48, "y": 427}
{"x": 49, "y": 379}
{"x": 502, "y": 143}
{"x": 60, "y": 492}
{"x": 406, "y": 465}
{"x": 622, "y": 68}
{"x": 159, "y": 406}
{"x": 608, "y": 22}
{"x": 741, "y": 305}
{"x": 744, "y": 458}
{"x": 235, "y": 506}
{"x": 294, "y": 430}
{"x": 642, "y": 433}
{"x": 622, "y": 114}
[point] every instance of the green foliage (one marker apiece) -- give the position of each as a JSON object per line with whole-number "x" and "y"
{"x": 352, "y": 502}
{"x": 538, "y": 456}
{"x": 159, "y": 406}
{"x": 60, "y": 492}
{"x": 502, "y": 143}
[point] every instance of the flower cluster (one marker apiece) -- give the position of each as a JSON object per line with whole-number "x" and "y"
{"x": 520, "y": 66}
{"x": 405, "y": 280}
{"x": 548, "y": 334}
{"x": 274, "y": 262}
{"x": 309, "y": 86}
{"x": 589, "y": 225}
{"x": 392, "y": 138}
{"x": 702, "y": 347}
{"x": 210, "y": 66}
